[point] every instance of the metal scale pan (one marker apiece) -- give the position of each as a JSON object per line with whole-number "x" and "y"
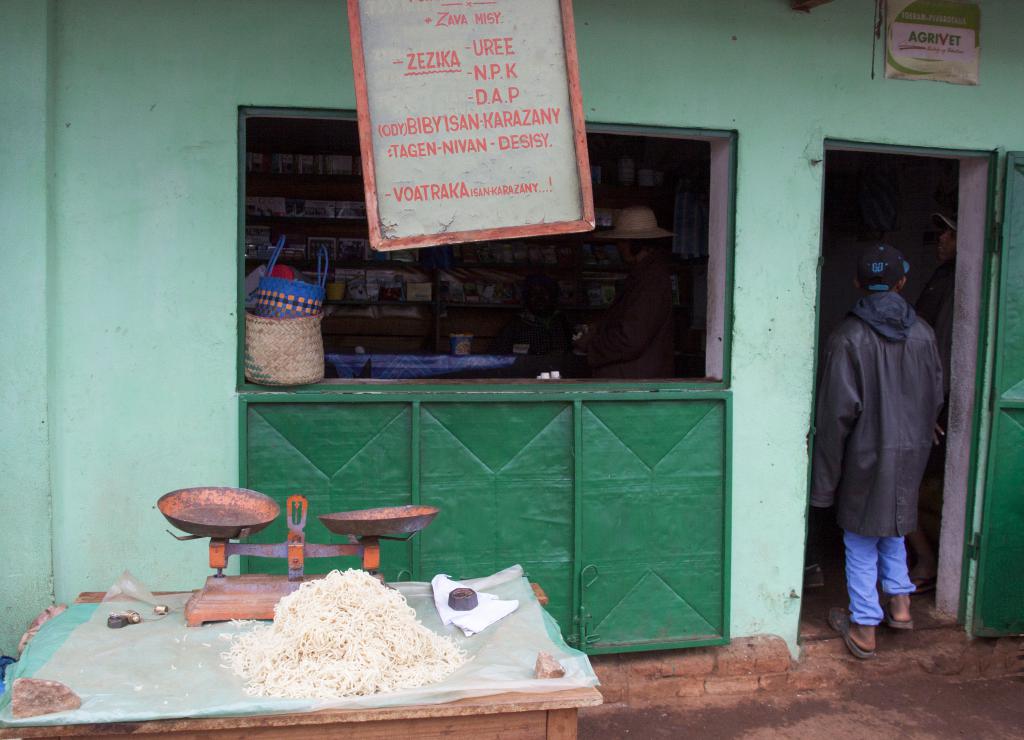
{"x": 220, "y": 513}
{"x": 381, "y": 522}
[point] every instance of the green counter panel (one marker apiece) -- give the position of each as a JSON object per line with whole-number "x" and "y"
{"x": 653, "y": 523}
{"x": 618, "y": 508}
{"x": 339, "y": 457}
{"x": 502, "y": 477}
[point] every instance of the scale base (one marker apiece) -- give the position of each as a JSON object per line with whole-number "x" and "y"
{"x": 251, "y": 596}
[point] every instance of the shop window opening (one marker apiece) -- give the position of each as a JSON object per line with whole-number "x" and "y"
{"x": 514, "y": 309}
{"x": 933, "y": 210}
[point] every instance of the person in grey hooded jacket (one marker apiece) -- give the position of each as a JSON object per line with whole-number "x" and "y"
{"x": 880, "y": 395}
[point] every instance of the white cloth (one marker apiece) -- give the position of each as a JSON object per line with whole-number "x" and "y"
{"x": 489, "y": 608}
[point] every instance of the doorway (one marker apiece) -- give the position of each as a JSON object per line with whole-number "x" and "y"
{"x": 919, "y": 202}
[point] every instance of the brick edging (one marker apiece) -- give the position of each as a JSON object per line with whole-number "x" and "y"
{"x": 763, "y": 664}
{"x": 748, "y": 664}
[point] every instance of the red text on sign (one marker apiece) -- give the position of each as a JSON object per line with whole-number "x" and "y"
{"x": 487, "y": 19}
{"x": 428, "y": 61}
{"x": 496, "y": 95}
{"x": 495, "y": 71}
{"x": 523, "y": 141}
{"x": 451, "y": 19}
{"x": 499, "y": 46}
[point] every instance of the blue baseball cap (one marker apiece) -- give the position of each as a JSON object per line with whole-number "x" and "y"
{"x": 880, "y": 267}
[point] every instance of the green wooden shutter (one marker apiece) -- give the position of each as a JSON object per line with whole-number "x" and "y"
{"x": 340, "y": 457}
{"x": 999, "y": 601}
{"x": 617, "y": 507}
{"x": 654, "y": 514}
{"x": 501, "y": 473}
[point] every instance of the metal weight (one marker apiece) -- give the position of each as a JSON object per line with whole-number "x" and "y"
{"x": 462, "y": 599}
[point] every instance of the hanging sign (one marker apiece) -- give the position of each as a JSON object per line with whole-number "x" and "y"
{"x": 470, "y": 120}
{"x": 933, "y": 40}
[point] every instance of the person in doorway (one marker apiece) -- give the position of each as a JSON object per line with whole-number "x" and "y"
{"x": 540, "y": 328}
{"x": 880, "y": 394}
{"x": 634, "y": 338}
{"x": 935, "y": 305}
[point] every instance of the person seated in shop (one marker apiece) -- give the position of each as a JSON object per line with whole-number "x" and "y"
{"x": 634, "y": 338}
{"x": 540, "y": 328}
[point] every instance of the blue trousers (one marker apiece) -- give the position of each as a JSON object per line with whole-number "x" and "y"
{"x": 867, "y": 558}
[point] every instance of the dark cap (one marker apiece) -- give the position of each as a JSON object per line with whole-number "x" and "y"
{"x": 880, "y": 267}
{"x": 943, "y": 222}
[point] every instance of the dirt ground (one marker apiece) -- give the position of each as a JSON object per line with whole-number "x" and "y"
{"x": 892, "y": 706}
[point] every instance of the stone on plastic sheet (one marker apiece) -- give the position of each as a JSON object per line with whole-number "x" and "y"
{"x": 31, "y": 697}
{"x": 547, "y": 667}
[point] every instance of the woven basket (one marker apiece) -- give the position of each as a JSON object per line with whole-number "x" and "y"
{"x": 280, "y": 297}
{"x": 283, "y": 351}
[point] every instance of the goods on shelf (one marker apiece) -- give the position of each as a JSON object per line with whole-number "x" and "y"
{"x": 517, "y": 253}
{"x": 305, "y": 208}
{"x": 481, "y": 286}
{"x": 302, "y": 164}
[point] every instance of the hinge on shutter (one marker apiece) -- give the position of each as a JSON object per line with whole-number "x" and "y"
{"x": 573, "y": 640}
{"x": 974, "y": 546}
{"x": 997, "y": 237}
{"x": 586, "y": 625}
{"x": 584, "y": 619}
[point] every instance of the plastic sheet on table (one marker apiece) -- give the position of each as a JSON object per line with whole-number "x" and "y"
{"x": 161, "y": 669}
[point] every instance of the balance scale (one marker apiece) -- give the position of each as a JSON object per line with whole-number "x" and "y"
{"x": 227, "y": 514}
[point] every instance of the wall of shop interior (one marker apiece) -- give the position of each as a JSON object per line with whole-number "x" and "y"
{"x": 141, "y": 294}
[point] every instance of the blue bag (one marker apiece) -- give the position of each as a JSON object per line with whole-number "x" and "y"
{"x": 282, "y": 298}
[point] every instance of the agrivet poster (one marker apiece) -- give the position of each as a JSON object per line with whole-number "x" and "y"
{"x": 933, "y": 40}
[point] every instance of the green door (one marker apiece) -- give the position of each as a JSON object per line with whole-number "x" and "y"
{"x": 999, "y": 601}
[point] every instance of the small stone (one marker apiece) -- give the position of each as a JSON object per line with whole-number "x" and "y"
{"x": 547, "y": 667}
{"x": 31, "y": 697}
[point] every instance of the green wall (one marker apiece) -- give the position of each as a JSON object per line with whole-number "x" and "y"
{"x": 26, "y": 585}
{"x": 141, "y": 350}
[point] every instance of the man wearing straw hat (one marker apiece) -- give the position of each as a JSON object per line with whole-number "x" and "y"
{"x": 634, "y": 337}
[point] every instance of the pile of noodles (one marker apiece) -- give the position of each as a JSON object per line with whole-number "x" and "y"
{"x": 345, "y": 634}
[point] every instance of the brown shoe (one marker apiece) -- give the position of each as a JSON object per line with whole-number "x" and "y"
{"x": 897, "y": 612}
{"x": 859, "y": 638}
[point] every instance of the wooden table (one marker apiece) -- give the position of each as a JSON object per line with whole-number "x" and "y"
{"x": 506, "y": 716}
{"x": 549, "y": 715}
